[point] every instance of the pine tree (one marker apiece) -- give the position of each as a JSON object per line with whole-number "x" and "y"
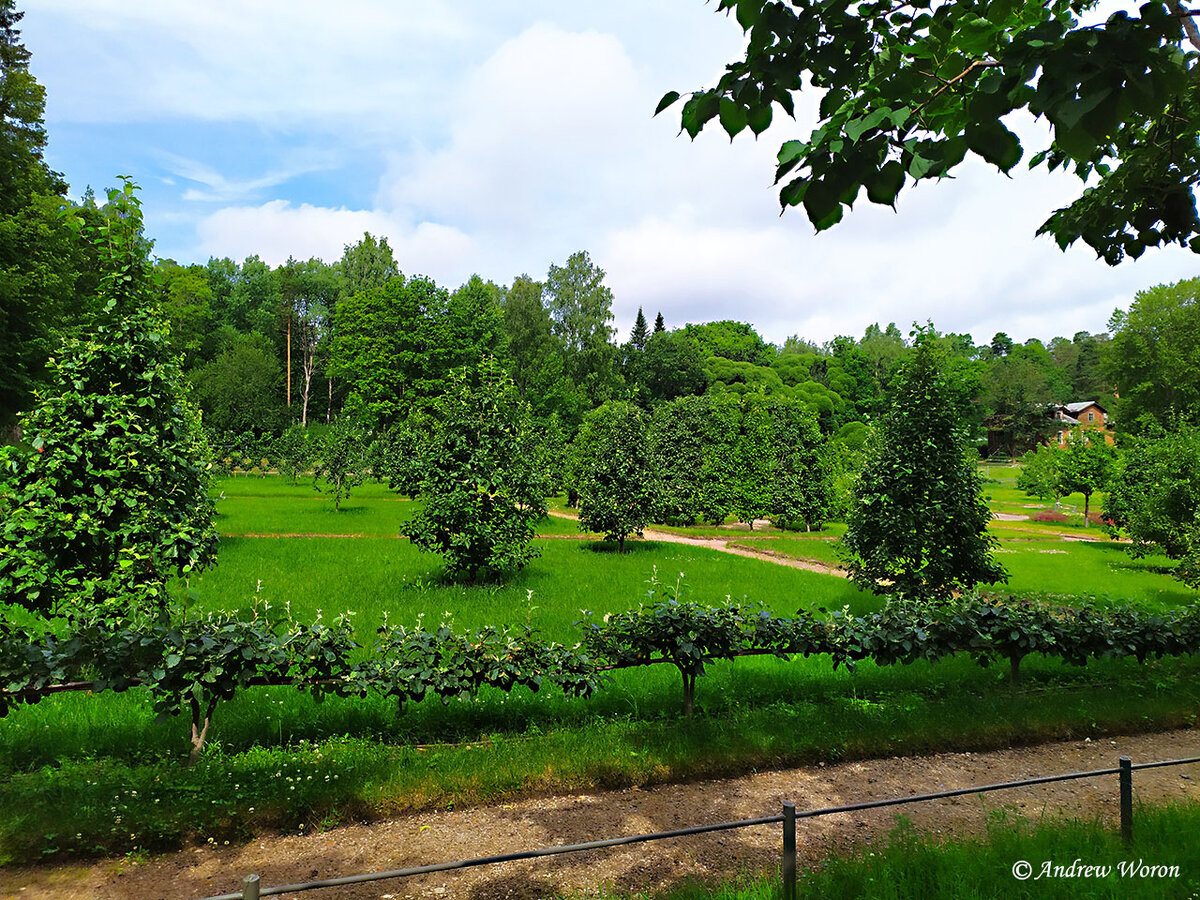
{"x": 38, "y": 254}
{"x": 659, "y": 326}
{"x": 917, "y": 527}
{"x": 639, "y": 335}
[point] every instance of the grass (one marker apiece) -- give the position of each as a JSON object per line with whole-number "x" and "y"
{"x": 73, "y": 763}
{"x": 910, "y": 865}
{"x": 87, "y": 761}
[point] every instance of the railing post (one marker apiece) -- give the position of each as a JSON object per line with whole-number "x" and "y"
{"x": 789, "y": 851}
{"x": 250, "y": 888}
{"x": 1126, "y": 778}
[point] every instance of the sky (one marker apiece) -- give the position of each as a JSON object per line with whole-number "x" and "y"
{"x": 498, "y": 138}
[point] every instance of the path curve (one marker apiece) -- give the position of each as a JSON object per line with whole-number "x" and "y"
{"x": 726, "y": 546}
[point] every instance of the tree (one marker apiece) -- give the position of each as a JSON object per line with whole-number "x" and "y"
{"x": 908, "y": 90}
{"x": 1001, "y": 345}
{"x": 309, "y": 291}
{"x": 580, "y": 307}
{"x": 1154, "y": 355}
{"x": 1155, "y": 499}
{"x": 1041, "y": 474}
{"x": 39, "y": 256}
{"x": 537, "y": 364}
{"x": 754, "y": 461}
{"x": 659, "y": 325}
{"x": 672, "y": 366}
{"x": 481, "y": 475}
{"x": 727, "y": 339}
{"x": 802, "y": 480}
{"x": 639, "y": 335}
{"x": 340, "y": 458}
{"x": 1085, "y": 466}
{"x": 367, "y": 264}
{"x": 388, "y": 350}
{"x": 614, "y": 472}
{"x": 112, "y": 497}
{"x": 918, "y": 524}
{"x": 240, "y": 390}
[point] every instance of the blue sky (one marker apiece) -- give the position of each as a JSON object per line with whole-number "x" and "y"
{"x": 498, "y": 138}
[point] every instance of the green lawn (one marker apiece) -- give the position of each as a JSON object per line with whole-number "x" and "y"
{"x": 67, "y": 761}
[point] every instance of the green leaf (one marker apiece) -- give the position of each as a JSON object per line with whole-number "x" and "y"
{"x": 759, "y": 118}
{"x": 748, "y": 12}
{"x": 667, "y": 99}
{"x": 884, "y": 187}
{"x": 733, "y": 116}
{"x": 994, "y": 143}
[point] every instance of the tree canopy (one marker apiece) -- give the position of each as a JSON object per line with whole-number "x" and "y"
{"x": 908, "y": 89}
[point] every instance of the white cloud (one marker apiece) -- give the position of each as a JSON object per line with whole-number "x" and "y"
{"x": 277, "y": 230}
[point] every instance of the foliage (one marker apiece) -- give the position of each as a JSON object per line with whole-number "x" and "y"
{"x": 111, "y": 497}
{"x": 292, "y": 452}
{"x": 580, "y": 307}
{"x": 242, "y": 388}
{"x": 1085, "y": 465}
{"x": 40, "y": 260}
{"x": 341, "y": 459}
{"x": 802, "y": 480}
{"x": 482, "y": 476}
{"x": 908, "y": 90}
{"x": 1041, "y": 473}
{"x": 690, "y": 636}
{"x": 918, "y": 527}
{"x": 388, "y": 349}
{"x": 1155, "y": 499}
{"x": 1154, "y": 356}
{"x": 614, "y": 473}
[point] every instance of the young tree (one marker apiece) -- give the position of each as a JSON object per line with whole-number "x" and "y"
{"x": 113, "y": 496}
{"x": 907, "y": 90}
{"x": 1155, "y": 499}
{"x": 614, "y": 471}
{"x": 918, "y": 525}
{"x": 1041, "y": 473}
{"x": 482, "y": 475}
{"x": 340, "y": 458}
{"x": 1085, "y": 466}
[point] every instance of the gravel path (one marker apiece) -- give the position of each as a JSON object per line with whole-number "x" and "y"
{"x": 543, "y": 821}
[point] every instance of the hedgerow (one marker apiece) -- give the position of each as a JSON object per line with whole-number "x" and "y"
{"x": 190, "y": 664}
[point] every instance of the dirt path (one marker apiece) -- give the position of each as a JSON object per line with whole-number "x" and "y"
{"x": 441, "y": 836}
{"x": 725, "y": 545}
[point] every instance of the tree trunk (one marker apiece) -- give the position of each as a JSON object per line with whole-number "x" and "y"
{"x": 289, "y": 360}
{"x": 199, "y": 729}
{"x": 1087, "y": 499}
{"x": 329, "y": 406}
{"x": 621, "y": 544}
{"x": 689, "y": 693}
{"x": 1014, "y": 670}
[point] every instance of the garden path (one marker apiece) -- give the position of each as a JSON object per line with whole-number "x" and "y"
{"x": 422, "y": 838}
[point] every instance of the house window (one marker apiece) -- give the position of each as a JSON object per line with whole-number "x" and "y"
{"x": 1091, "y": 417}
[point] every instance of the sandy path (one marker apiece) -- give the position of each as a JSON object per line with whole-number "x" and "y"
{"x": 725, "y": 545}
{"x": 440, "y": 836}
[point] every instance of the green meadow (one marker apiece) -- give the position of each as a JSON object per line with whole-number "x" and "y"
{"x": 84, "y": 760}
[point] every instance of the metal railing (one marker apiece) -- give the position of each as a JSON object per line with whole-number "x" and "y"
{"x": 252, "y": 889}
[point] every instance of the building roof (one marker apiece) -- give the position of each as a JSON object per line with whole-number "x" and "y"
{"x": 1081, "y": 405}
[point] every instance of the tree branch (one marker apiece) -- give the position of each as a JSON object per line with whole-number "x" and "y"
{"x": 1186, "y": 22}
